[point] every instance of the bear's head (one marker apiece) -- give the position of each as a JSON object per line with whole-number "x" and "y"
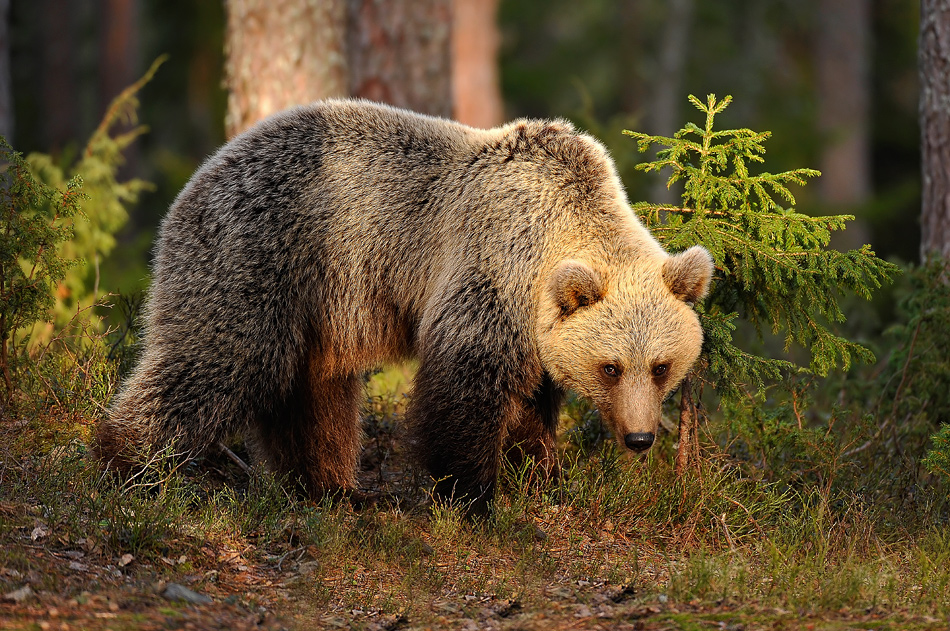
{"x": 625, "y": 336}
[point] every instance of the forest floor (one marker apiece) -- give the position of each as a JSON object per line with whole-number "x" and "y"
{"x": 617, "y": 544}
{"x": 75, "y": 589}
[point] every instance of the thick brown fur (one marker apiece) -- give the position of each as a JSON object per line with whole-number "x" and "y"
{"x": 333, "y": 237}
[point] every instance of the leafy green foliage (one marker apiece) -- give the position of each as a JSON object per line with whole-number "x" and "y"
{"x": 33, "y": 226}
{"x": 774, "y": 269}
{"x": 107, "y": 198}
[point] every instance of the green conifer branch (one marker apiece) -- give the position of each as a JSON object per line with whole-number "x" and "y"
{"x": 34, "y": 221}
{"x": 105, "y": 209}
{"x": 773, "y": 265}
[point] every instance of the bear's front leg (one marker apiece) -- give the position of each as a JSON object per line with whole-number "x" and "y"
{"x": 457, "y": 418}
{"x": 475, "y": 374}
{"x": 534, "y": 434}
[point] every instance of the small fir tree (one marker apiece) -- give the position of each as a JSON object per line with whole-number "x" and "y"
{"x": 108, "y": 198}
{"x": 42, "y": 243}
{"x": 773, "y": 266}
{"x": 34, "y": 223}
{"x": 938, "y": 459}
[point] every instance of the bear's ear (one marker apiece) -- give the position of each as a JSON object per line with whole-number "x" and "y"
{"x": 575, "y": 284}
{"x": 689, "y": 273}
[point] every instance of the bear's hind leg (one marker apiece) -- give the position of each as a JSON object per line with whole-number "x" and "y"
{"x": 315, "y": 439}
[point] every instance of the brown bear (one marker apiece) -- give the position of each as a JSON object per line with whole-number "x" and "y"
{"x": 330, "y": 238}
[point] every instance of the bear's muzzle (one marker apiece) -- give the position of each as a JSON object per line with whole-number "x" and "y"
{"x": 638, "y": 441}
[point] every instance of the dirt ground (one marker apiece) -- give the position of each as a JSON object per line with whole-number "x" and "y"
{"x": 72, "y": 587}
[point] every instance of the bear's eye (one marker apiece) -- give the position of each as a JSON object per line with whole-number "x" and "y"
{"x": 612, "y": 371}
{"x": 660, "y": 369}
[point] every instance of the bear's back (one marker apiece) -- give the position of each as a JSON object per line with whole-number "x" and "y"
{"x": 355, "y": 192}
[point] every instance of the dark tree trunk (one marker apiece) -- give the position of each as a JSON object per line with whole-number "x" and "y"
{"x": 844, "y": 95}
{"x": 59, "y": 104}
{"x": 117, "y": 49}
{"x": 668, "y": 94}
{"x": 118, "y": 67}
{"x": 632, "y": 88}
{"x": 934, "y": 61}
{"x": 6, "y": 81}
{"x": 687, "y": 452}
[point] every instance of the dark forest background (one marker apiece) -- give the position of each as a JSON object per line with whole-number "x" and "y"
{"x": 836, "y": 83}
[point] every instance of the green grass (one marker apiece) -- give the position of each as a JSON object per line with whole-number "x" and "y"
{"x": 616, "y": 538}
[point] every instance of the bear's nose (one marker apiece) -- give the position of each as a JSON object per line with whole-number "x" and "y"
{"x": 638, "y": 441}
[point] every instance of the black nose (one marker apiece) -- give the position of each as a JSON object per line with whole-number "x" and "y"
{"x": 638, "y": 441}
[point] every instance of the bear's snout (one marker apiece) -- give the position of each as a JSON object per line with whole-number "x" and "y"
{"x": 638, "y": 441}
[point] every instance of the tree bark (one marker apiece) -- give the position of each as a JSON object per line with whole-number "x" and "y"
{"x": 475, "y": 86}
{"x": 4, "y": 352}
{"x": 118, "y": 61}
{"x": 632, "y": 89}
{"x": 117, "y": 49}
{"x": 399, "y": 52}
{"x": 281, "y": 53}
{"x": 844, "y": 95}
{"x": 688, "y": 428}
{"x": 934, "y": 65}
